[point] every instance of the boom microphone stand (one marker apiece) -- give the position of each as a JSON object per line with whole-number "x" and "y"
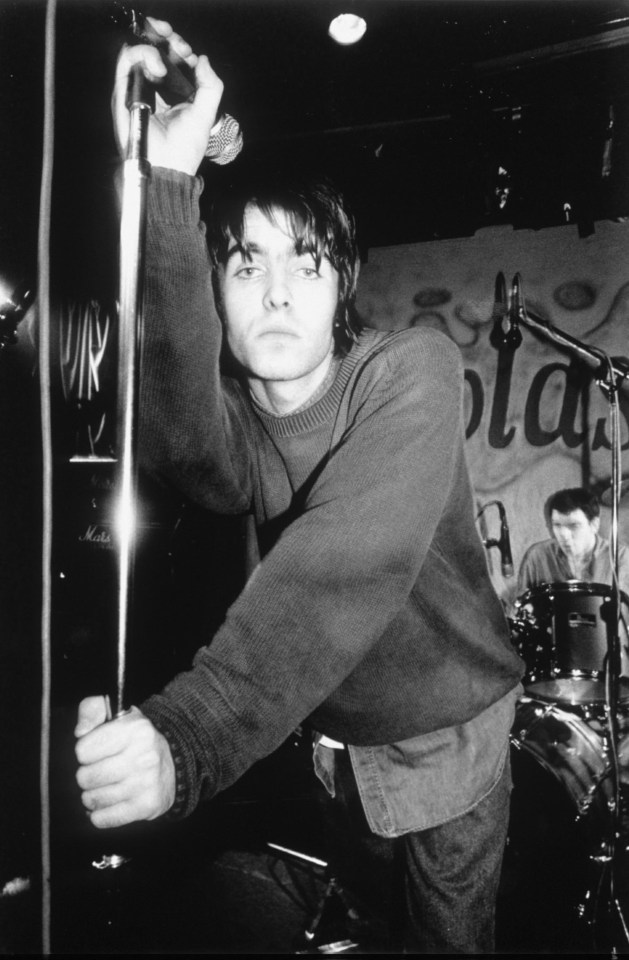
{"x": 609, "y": 373}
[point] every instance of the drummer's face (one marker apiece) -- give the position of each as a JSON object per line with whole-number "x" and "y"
{"x": 574, "y": 533}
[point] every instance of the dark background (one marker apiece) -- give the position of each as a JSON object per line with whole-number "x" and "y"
{"x": 414, "y": 122}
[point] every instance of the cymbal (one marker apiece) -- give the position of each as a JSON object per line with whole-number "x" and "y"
{"x": 606, "y": 496}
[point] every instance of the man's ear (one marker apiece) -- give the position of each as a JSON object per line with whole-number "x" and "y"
{"x": 595, "y": 523}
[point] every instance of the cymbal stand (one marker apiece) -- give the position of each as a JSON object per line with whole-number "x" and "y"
{"x": 609, "y": 373}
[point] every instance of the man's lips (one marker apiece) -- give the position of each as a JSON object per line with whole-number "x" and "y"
{"x": 277, "y": 332}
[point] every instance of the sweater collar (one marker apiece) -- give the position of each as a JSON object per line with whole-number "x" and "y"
{"x": 325, "y": 405}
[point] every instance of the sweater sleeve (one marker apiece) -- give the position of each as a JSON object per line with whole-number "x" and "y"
{"x": 338, "y": 576}
{"x": 189, "y": 431}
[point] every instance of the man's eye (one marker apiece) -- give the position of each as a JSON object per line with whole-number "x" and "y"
{"x": 247, "y": 270}
{"x": 309, "y": 272}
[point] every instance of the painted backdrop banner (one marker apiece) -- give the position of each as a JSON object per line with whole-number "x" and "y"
{"x": 536, "y": 420}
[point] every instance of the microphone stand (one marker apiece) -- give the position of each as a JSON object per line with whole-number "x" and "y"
{"x": 136, "y": 171}
{"x": 489, "y": 542}
{"x": 609, "y": 373}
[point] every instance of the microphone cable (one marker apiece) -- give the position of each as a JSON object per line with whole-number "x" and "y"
{"x": 43, "y": 295}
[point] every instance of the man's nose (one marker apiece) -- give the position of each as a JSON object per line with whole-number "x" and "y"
{"x": 277, "y": 294}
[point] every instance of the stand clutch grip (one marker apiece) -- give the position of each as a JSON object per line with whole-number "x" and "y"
{"x": 177, "y": 86}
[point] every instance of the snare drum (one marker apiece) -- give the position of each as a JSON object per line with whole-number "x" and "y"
{"x": 560, "y": 632}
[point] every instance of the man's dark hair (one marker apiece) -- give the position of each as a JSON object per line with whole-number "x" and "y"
{"x": 320, "y": 222}
{"x": 574, "y": 498}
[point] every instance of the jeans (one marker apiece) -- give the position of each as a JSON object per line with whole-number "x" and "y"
{"x": 437, "y": 888}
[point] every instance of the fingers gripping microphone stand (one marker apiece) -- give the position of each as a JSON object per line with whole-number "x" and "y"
{"x": 609, "y": 373}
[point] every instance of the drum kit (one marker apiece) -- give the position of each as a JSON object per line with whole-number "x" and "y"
{"x": 572, "y": 764}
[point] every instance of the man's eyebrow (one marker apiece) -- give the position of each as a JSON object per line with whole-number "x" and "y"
{"x": 249, "y": 249}
{"x": 246, "y": 249}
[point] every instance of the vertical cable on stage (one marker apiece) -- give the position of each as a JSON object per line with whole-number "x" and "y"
{"x": 43, "y": 288}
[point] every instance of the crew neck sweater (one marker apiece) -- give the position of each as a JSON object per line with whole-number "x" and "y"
{"x": 371, "y": 614}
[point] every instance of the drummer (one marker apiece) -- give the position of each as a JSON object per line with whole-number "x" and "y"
{"x": 576, "y": 550}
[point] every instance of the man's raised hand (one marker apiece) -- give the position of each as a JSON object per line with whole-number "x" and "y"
{"x": 177, "y": 135}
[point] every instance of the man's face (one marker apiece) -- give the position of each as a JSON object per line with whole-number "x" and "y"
{"x": 278, "y": 307}
{"x": 574, "y": 533}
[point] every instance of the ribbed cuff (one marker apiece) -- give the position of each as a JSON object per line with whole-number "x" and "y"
{"x": 173, "y": 197}
{"x": 178, "y": 809}
{"x": 184, "y": 801}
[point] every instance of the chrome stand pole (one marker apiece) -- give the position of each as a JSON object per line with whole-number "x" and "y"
{"x": 136, "y": 171}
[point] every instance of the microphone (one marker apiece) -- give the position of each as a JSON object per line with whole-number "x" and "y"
{"x": 500, "y": 310}
{"x": 513, "y": 337}
{"x": 225, "y": 141}
{"x": 504, "y": 543}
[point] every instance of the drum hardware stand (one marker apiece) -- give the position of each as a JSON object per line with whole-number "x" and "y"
{"x": 609, "y": 373}
{"x": 333, "y": 896}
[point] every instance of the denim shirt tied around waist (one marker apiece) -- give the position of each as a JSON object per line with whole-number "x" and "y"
{"x": 427, "y": 780}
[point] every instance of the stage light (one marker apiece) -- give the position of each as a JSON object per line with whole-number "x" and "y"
{"x": 347, "y": 28}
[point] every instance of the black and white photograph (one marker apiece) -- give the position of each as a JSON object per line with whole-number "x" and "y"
{"x": 314, "y": 518}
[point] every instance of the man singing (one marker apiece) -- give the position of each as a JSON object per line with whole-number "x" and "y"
{"x": 370, "y": 614}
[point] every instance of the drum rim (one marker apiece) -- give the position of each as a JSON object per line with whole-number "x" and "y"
{"x": 534, "y": 690}
{"x": 549, "y": 587}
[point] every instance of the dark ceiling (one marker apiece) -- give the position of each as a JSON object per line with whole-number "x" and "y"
{"x": 416, "y": 121}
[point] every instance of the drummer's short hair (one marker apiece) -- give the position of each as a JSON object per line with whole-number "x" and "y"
{"x": 574, "y": 498}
